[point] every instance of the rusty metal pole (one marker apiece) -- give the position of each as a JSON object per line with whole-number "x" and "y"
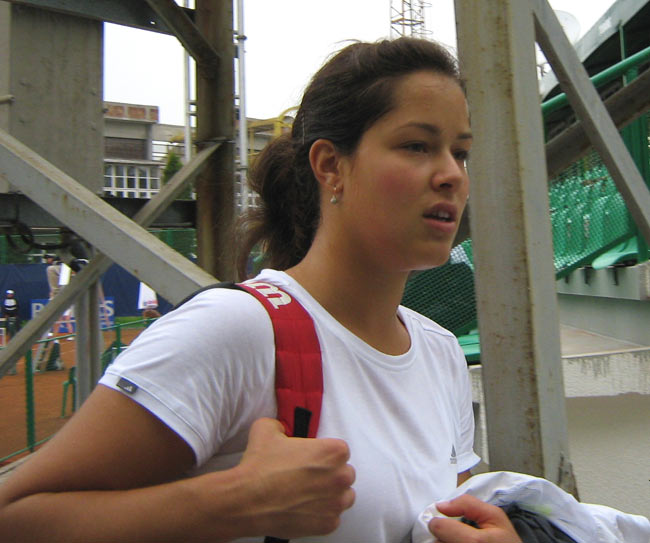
{"x": 515, "y": 281}
{"x": 215, "y": 122}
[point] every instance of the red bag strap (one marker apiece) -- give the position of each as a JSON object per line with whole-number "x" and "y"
{"x": 298, "y": 364}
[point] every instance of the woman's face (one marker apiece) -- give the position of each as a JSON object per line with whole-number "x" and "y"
{"x": 405, "y": 187}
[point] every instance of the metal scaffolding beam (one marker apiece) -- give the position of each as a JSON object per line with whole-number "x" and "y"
{"x": 215, "y": 187}
{"x": 98, "y": 223}
{"x": 106, "y": 229}
{"x": 122, "y": 12}
{"x": 589, "y": 108}
{"x": 626, "y": 105}
{"x": 90, "y": 342}
{"x": 515, "y": 286}
{"x": 206, "y": 57}
{"x": 177, "y": 267}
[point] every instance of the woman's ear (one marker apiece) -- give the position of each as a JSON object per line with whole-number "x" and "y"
{"x": 324, "y": 160}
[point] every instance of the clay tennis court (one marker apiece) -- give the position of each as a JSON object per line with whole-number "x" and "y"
{"x": 48, "y": 398}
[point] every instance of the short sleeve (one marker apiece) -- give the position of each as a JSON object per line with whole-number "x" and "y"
{"x": 206, "y": 369}
{"x": 466, "y": 457}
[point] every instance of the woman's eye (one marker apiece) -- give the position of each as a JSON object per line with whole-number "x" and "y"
{"x": 461, "y": 155}
{"x": 416, "y": 147}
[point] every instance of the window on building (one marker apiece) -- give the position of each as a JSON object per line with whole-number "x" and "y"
{"x": 141, "y": 181}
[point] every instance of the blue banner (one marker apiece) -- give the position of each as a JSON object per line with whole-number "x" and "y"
{"x": 29, "y": 281}
{"x": 67, "y": 320}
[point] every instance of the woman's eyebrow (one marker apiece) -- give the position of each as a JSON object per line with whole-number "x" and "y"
{"x": 434, "y": 130}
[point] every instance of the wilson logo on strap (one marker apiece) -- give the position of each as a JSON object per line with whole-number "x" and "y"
{"x": 272, "y": 293}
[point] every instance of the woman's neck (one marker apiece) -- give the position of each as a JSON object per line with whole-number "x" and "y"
{"x": 364, "y": 301}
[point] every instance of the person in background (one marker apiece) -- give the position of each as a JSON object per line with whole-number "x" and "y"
{"x": 10, "y": 311}
{"x": 150, "y": 313}
{"x": 53, "y": 272}
{"x": 11, "y": 319}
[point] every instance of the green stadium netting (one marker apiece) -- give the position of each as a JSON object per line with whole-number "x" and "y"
{"x": 590, "y": 225}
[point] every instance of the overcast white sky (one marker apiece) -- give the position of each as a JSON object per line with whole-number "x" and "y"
{"x": 287, "y": 41}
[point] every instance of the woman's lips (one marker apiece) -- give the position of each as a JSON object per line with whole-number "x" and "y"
{"x": 442, "y": 217}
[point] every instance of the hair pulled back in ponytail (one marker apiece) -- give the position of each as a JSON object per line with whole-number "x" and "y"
{"x": 344, "y": 98}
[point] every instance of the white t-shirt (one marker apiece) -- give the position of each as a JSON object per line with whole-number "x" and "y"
{"x": 207, "y": 371}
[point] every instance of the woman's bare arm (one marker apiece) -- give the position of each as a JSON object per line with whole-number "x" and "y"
{"x": 112, "y": 473}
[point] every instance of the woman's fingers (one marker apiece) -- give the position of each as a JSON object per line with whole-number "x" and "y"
{"x": 493, "y": 524}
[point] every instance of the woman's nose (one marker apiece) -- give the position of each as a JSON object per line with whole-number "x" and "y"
{"x": 449, "y": 172}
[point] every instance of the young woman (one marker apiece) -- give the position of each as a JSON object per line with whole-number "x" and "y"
{"x": 369, "y": 186}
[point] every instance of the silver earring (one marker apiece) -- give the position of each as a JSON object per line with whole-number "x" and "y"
{"x": 334, "y": 200}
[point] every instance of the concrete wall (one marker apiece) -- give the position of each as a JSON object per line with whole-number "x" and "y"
{"x": 608, "y": 420}
{"x": 52, "y": 64}
{"x": 609, "y": 440}
{"x": 611, "y": 302}
{"x": 628, "y": 320}
{"x": 126, "y": 129}
{"x": 5, "y": 88}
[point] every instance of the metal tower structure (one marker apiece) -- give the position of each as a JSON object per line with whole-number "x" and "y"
{"x": 407, "y": 18}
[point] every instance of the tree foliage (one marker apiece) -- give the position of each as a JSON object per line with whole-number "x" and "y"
{"x": 171, "y": 167}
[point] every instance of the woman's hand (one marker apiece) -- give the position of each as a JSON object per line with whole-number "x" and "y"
{"x": 494, "y": 525}
{"x": 300, "y": 486}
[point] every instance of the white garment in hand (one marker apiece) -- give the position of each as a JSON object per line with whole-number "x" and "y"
{"x": 586, "y": 523}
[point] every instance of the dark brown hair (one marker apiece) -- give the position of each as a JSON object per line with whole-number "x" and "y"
{"x": 344, "y": 98}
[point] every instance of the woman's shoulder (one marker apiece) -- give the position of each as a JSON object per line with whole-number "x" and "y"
{"x": 220, "y": 318}
{"x": 425, "y": 323}
{"x": 434, "y": 338}
{"x": 220, "y": 300}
